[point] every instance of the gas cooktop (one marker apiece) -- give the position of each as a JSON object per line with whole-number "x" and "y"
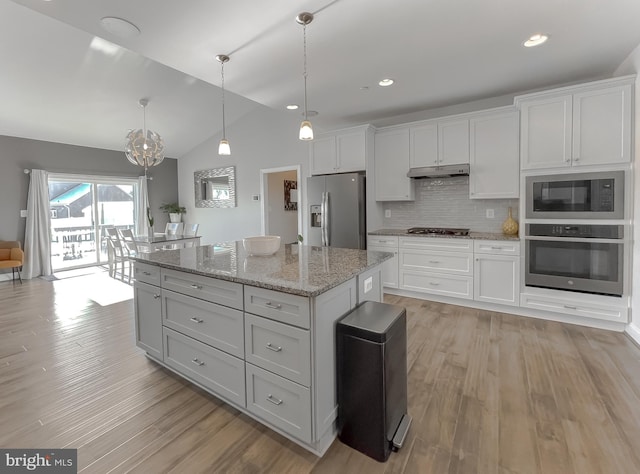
{"x": 438, "y": 231}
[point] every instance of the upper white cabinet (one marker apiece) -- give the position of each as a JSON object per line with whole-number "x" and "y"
{"x": 494, "y": 159}
{"x": 340, "y": 152}
{"x": 391, "y": 165}
{"x": 577, "y": 126}
{"x": 439, "y": 142}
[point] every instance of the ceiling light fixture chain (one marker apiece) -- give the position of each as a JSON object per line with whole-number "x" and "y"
{"x": 223, "y": 148}
{"x": 306, "y": 131}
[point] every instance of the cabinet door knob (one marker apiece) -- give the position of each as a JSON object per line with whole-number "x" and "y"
{"x": 196, "y": 320}
{"x": 269, "y": 304}
{"x": 274, "y": 400}
{"x": 146, "y": 273}
{"x": 198, "y": 362}
{"x": 156, "y": 296}
{"x": 196, "y": 287}
{"x": 273, "y": 348}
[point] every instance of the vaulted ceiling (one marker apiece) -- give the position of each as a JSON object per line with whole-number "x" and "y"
{"x": 61, "y": 82}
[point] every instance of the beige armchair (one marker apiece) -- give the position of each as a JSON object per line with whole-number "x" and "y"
{"x": 11, "y": 256}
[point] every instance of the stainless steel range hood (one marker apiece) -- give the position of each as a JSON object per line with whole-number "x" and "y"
{"x": 439, "y": 171}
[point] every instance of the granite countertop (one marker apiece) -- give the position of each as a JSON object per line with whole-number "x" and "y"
{"x": 472, "y": 235}
{"x": 297, "y": 269}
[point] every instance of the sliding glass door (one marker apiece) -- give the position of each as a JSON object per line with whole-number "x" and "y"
{"x": 81, "y": 209}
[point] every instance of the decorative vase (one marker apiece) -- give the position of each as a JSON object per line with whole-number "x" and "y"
{"x": 175, "y": 217}
{"x": 510, "y": 225}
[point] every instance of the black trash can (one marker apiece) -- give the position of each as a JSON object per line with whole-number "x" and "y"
{"x": 372, "y": 379}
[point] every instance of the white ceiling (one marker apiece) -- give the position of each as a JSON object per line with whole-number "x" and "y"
{"x": 440, "y": 52}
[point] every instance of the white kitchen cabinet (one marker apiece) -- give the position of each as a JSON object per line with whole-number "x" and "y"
{"x": 579, "y": 305}
{"x": 437, "y": 266}
{"x": 453, "y": 141}
{"x": 423, "y": 147}
{"x": 148, "y": 318}
{"x": 577, "y": 126}
{"x": 496, "y": 276}
{"x": 392, "y": 165}
{"x": 343, "y": 151}
{"x": 383, "y": 243}
{"x": 494, "y": 164}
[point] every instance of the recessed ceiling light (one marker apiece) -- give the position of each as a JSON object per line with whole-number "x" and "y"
{"x": 119, "y": 27}
{"x": 292, "y": 107}
{"x": 536, "y": 40}
{"x": 385, "y": 82}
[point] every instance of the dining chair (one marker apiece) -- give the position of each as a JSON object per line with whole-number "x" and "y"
{"x": 173, "y": 228}
{"x": 190, "y": 230}
{"x": 116, "y": 253}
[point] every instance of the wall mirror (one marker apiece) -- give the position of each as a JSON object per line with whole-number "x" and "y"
{"x": 216, "y": 187}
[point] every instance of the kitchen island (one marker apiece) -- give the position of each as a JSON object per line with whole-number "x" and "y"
{"x": 256, "y": 332}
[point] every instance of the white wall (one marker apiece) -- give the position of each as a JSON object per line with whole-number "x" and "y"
{"x": 632, "y": 66}
{"x": 264, "y": 138}
{"x": 281, "y": 222}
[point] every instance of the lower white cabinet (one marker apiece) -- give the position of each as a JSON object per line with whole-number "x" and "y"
{"x": 496, "y": 276}
{"x": 148, "y": 310}
{"x": 389, "y": 267}
{"x": 616, "y": 312}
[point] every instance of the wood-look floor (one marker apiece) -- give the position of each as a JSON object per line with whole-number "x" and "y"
{"x": 488, "y": 393}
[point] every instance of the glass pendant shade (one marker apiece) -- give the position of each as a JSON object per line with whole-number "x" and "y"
{"x": 144, "y": 147}
{"x": 306, "y": 132}
{"x": 224, "y": 148}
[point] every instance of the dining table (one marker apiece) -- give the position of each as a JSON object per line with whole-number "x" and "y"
{"x": 166, "y": 241}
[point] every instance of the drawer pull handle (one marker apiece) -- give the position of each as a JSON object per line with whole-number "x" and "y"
{"x": 196, "y": 320}
{"x": 496, "y": 248}
{"x": 274, "y": 400}
{"x": 269, "y": 304}
{"x": 434, "y": 261}
{"x": 156, "y": 296}
{"x": 198, "y": 362}
{"x": 570, "y": 307}
{"x": 273, "y": 348}
{"x": 196, "y": 287}
{"x": 433, "y": 283}
{"x": 146, "y": 273}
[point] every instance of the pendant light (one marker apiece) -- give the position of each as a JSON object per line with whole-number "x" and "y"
{"x": 306, "y": 131}
{"x": 144, "y": 147}
{"x": 223, "y": 148}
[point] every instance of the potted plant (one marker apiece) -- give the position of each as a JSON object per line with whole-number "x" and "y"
{"x": 174, "y": 210}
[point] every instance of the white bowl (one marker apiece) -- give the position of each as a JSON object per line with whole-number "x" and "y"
{"x": 261, "y": 245}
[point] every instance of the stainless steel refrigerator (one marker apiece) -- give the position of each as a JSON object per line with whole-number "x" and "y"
{"x": 337, "y": 211}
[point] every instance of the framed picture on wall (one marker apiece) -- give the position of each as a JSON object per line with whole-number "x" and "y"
{"x": 290, "y": 195}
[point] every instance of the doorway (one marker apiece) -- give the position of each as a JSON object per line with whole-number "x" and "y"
{"x": 80, "y": 209}
{"x": 281, "y": 190}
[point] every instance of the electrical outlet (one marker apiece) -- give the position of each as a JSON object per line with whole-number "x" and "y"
{"x": 255, "y": 197}
{"x": 368, "y": 284}
{"x": 23, "y": 213}
{"x": 490, "y": 214}
{"x": 387, "y": 213}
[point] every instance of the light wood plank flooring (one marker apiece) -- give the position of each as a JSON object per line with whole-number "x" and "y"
{"x": 488, "y": 392}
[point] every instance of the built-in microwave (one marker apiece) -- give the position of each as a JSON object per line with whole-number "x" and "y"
{"x": 598, "y": 195}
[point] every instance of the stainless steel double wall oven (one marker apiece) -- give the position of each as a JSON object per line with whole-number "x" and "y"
{"x": 562, "y": 250}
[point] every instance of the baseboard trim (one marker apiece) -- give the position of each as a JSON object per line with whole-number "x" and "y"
{"x": 633, "y": 332}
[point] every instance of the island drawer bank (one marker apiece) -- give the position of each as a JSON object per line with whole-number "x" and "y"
{"x": 483, "y": 270}
{"x": 257, "y": 332}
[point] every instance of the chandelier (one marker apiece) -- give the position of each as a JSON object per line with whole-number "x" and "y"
{"x": 223, "y": 148}
{"x": 144, "y": 147}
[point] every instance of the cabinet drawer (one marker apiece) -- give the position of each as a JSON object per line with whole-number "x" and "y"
{"x": 442, "y": 262}
{"x": 146, "y": 273}
{"x": 279, "y": 401}
{"x": 221, "y": 373}
{"x": 575, "y": 308}
{"x": 213, "y": 324}
{"x": 283, "y": 307}
{"x": 382, "y": 241}
{"x": 446, "y": 285}
{"x": 223, "y": 292}
{"x": 279, "y": 348}
{"x": 431, "y": 243}
{"x": 497, "y": 247}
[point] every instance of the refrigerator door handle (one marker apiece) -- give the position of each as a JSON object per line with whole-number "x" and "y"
{"x": 323, "y": 218}
{"x": 327, "y": 220}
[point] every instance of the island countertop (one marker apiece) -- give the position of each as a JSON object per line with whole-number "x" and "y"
{"x": 297, "y": 269}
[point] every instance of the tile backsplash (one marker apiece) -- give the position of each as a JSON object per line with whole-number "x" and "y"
{"x": 444, "y": 202}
